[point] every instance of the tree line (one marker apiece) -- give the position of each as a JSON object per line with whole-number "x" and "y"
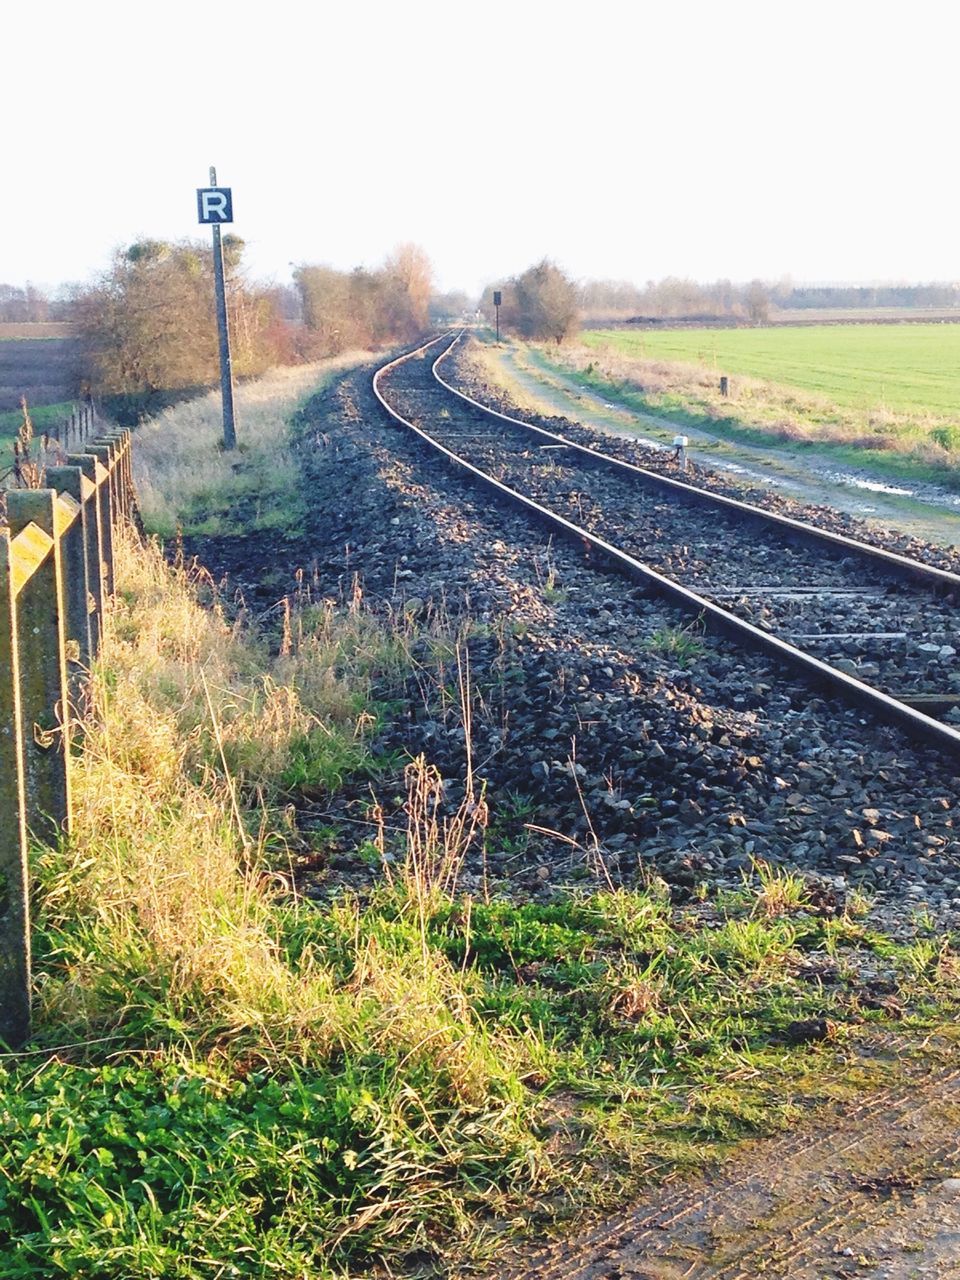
{"x": 544, "y": 304}
{"x": 887, "y": 295}
{"x": 676, "y": 298}
{"x": 147, "y": 326}
{"x": 26, "y": 304}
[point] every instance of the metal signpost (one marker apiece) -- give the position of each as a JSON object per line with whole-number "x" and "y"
{"x": 215, "y": 206}
{"x": 497, "y": 299}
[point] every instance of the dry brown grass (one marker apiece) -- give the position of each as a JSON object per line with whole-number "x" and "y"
{"x": 167, "y": 911}
{"x": 178, "y": 456}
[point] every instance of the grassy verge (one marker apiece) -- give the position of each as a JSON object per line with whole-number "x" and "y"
{"x": 228, "y": 1080}
{"x": 186, "y": 479}
{"x": 914, "y": 447}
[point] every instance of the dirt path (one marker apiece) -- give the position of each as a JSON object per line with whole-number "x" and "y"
{"x": 922, "y": 511}
{"x": 874, "y": 1193}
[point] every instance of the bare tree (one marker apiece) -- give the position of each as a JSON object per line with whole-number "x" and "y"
{"x": 546, "y": 303}
{"x": 756, "y": 300}
{"x": 409, "y": 284}
{"x": 358, "y": 308}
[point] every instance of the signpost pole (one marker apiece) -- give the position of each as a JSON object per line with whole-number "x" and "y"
{"x": 226, "y": 367}
{"x": 497, "y": 295}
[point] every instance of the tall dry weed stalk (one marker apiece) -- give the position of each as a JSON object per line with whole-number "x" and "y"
{"x": 28, "y": 469}
{"x": 437, "y": 844}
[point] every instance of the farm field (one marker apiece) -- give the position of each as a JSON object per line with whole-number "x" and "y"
{"x": 42, "y": 369}
{"x": 912, "y": 369}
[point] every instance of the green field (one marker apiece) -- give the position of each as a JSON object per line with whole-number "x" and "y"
{"x": 44, "y": 417}
{"x": 908, "y": 368}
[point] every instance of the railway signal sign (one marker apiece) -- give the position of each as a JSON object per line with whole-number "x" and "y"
{"x": 214, "y": 204}
{"x": 497, "y": 299}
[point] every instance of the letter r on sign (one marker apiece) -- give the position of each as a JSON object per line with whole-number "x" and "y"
{"x": 215, "y": 204}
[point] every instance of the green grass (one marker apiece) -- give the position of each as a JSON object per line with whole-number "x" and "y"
{"x": 605, "y": 1031}
{"x": 656, "y": 373}
{"x": 914, "y": 368}
{"x": 43, "y": 416}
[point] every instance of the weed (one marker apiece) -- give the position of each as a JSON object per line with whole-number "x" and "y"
{"x": 681, "y": 644}
{"x": 857, "y": 903}
{"x": 551, "y": 592}
{"x": 780, "y": 892}
{"x": 548, "y": 580}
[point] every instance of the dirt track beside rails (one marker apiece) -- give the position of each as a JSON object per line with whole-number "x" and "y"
{"x": 872, "y": 1190}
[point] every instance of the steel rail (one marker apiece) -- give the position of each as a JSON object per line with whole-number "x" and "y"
{"x": 903, "y": 566}
{"x": 714, "y": 618}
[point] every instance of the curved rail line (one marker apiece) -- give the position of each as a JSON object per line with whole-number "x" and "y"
{"x": 820, "y": 675}
{"x": 937, "y": 579}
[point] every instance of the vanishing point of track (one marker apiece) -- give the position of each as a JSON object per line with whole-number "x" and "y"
{"x": 504, "y": 454}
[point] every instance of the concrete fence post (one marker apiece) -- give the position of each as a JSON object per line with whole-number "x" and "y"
{"x": 14, "y": 883}
{"x": 117, "y": 491}
{"x": 94, "y": 470}
{"x": 56, "y": 569}
{"x": 44, "y": 694}
{"x": 107, "y": 507}
{"x": 74, "y": 560}
{"x": 128, "y": 470}
{"x": 106, "y": 450}
{"x": 87, "y": 466}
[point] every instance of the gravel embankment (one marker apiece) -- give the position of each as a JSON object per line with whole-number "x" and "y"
{"x": 582, "y": 720}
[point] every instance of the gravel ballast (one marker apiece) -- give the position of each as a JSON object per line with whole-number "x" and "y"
{"x": 598, "y": 713}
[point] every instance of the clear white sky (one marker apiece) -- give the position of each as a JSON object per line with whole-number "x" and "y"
{"x": 817, "y": 139}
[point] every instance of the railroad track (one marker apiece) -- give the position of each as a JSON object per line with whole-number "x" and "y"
{"x": 870, "y": 627}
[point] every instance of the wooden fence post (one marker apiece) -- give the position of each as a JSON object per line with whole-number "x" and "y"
{"x": 14, "y": 884}
{"x": 44, "y": 695}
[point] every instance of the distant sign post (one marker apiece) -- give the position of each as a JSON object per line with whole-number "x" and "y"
{"x": 214, "y": 207}
{"x": 497, "y": 299}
